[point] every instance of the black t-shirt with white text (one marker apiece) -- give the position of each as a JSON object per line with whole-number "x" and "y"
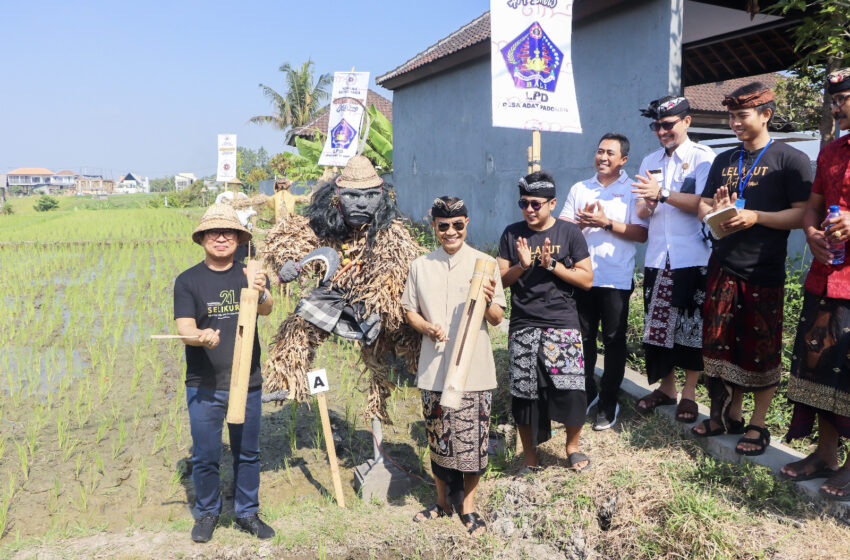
{"x": 539, "y": 298}
{"x": 783, "y": 175}
{"x": 211, "y": 297}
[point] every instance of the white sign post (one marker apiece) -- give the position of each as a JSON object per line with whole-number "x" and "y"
{"x": 318, "y": 380}
{"x": 531, "y": 66}
{"x": 226, "y": 170}
{"x": 345, "y": 117}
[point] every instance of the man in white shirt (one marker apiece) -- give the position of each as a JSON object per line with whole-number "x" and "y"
{"x": 604, "y": 207}
{"x": 669, "y": 185}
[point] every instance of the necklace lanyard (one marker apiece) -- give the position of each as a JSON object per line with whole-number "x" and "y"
{"x": 742, "y": 184}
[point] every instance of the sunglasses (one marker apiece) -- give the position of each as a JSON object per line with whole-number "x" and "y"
{"x": 668, "y": 125}
{"x": 535, "y": 204}
{"x": 225, "y": 233}
{"x": 458, "y": 226}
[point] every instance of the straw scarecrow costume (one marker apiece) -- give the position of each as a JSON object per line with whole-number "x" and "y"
{"x": 354, "y": 227}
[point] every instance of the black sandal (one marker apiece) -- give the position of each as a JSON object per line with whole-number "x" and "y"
{"x": 433, "y": 512}
{"x": 708, "y": 431}
{"x": 734, "y": 426}
{"x": 473, "y": 522}
{"x": 763, "y": 440}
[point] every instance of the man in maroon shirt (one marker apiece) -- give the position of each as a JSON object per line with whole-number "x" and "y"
{"x": 819, "y": 385}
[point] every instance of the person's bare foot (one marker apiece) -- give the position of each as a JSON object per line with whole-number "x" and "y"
{"x": 838, "y": 485}
{"x": 700, "y": 430}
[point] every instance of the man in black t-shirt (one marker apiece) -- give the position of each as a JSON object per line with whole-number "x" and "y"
{"x": 206, "y": 306}
{"x": 769, "y": 183}
{"x": 544, "y": 260}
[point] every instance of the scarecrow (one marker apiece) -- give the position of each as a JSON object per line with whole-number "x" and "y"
{"x": 352, "y": 226}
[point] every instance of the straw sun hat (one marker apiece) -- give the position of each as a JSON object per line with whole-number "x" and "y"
{"x": 359, "y": 174}
{"x": 221, "y": 216}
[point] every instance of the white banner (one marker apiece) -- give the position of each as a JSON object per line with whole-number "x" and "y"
{"x": 345, "y": 117}
{"x": 226, "y": 170}
{"x": 531, "y": 65}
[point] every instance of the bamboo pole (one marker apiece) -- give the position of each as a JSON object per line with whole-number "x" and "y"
{"x": 331, "y": 448}
{"x": 534, "y": 152}
{"x": 243, "y": 348}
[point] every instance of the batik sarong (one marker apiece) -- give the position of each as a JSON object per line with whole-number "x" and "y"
{"x": 458, "y": 438}
{"x": 672, "y": 333}
{"x": 820, "y": 366}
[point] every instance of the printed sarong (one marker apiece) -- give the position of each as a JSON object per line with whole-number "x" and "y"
{"x": 820, "y": 366}
{"x": 458, "y": 438}
{"x": 562, "y": 358}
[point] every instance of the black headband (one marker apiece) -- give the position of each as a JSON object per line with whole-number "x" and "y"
{"x": 543, "y": 189}
{"x": 442, "y": 209}
{"x": 838, "y": 81}
{"x": 666, "y": 107}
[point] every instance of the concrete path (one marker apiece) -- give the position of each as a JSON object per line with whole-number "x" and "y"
{"x": 723, "y": 447}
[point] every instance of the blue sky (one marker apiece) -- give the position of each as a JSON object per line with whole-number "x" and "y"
{"x": 146, "y": 86}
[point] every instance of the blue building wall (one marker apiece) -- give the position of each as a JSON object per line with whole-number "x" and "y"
{"x": 445, "y": 142}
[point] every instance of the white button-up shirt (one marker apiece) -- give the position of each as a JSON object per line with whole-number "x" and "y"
{"x": 613, "y": 257}
{"x": 675, "y": 233}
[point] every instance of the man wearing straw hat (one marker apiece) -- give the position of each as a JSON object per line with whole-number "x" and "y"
{"x": 206, "y": 306}
{"x": 434, "y": 299}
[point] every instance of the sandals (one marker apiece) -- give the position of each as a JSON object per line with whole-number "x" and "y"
{"x": 654, "y": 400}
{"x": 820, "y": 469}
{"x": 708, "y": 431}
{"x": 576, "y": 458}
{"x": 433, "y": 512}
{"x": 687, "y": 406}
{"x": 841, "y": 482}
{"x": 763, "y": 441}
{"x": 473, "y": 522}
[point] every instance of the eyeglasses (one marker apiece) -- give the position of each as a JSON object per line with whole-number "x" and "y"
{"x": 458, "y": 226}
{"x": 535, "y": 204}
{"x": 666, "y": 125}
{"x": 228, "y": 234}
{"x": 839, "y": 100}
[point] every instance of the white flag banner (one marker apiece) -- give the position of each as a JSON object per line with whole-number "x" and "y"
{"x": 531, "y": 65}
{"x": 226, "y": 170}
{"x": 345, "y": 117}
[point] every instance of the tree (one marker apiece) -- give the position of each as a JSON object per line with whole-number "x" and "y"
{"x": 301, "y": 101}
{"x": 823, "y": 37}
{"x": 799, "y": 98}
{"x": 46, "y": 203}
{"x": 162, "y": 184}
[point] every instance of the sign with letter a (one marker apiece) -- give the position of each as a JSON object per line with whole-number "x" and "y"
{"x": 531, "y": 66}
{"x": 318, "y": 380}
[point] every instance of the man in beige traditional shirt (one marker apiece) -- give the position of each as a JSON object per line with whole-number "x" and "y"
{"x": 434, "y": 298}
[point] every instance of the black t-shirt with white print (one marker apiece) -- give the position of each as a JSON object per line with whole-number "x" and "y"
{"x": 783, "y": 175}
{"x": 539, "y": 298}
{"x": 211, "y": 297}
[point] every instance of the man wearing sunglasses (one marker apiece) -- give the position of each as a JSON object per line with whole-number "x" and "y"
{"x": 544, "y": 260}
{"x": 206, "y": 306}
{"x": 434, "y": 298}
{"x": 669, "y": 185}
{"x": 604, "y": 207}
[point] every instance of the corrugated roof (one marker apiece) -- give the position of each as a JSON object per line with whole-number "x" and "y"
{"x": 707, "y": 97}
{"x": 31, "y": 171}
{"x": 320, "y": 121}
{"x": 476, "y": 31}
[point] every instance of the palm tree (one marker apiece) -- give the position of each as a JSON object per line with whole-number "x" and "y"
{"x": 301, "y": 101}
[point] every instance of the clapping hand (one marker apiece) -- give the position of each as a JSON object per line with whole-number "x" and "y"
{"x": 592, "y": 216}
{"x": 524, "y": 252}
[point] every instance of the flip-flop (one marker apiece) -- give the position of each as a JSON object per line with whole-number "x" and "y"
{"x": 433, "y": 512}
{"x": 654, "y": 400}
{"x": 473, "y": 522}
{"x": 821, "y": 469}
{"x": 687, "y": 406}
{"x": 577, "y": 457}
{"x": 840, "y": 481}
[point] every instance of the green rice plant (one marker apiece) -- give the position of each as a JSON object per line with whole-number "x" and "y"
{"x": 159, "y": 440}
{"x": 142, "y": 482}
{"x": 122, "y": 435}
{"x": 5, "y": 504}
{"x": 53, "y": 496}
{"x": 24, "y": 459}
{"x": 288, "y": 470}
{"x": 62, "y": 431}
{"x": 102, "y": 428}
{"x": 291, "y": 427}
{"x": 84, "y": 498}
{"x": 174, "y": 483}
{"x": 78, "y": 466}
{"x": 32, "y": 437}
{"x": 3, "y": 441}
{"x": 69, "y": 449}
{"x": 98, "y": 460}
{"x": 148, "y": 396}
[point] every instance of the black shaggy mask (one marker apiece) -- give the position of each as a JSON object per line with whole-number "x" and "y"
{"x": 326, "y": 219}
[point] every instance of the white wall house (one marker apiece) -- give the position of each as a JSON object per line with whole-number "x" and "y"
{"x": 65, "y": 179}
{"x": 131, "y": 183}
{"x": 183, "y": 181}
{"x": 29, "y": 177}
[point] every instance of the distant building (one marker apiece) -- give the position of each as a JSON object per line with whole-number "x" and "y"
{"x": 130, "y": 183}
{"x": 320, "y": 121}
{"x": 65, "y": 179}
{"x": 183, "y": 181}
{"x": 29, "y": 178}
{"x": 94, "y": 184}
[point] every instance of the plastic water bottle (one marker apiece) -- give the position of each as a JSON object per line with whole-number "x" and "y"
{"x": 836, "y": 248}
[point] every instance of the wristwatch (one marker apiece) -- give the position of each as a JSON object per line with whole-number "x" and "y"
{"x": 552, "y": 263}
{"x": 568, "y": 262}
{"x": 663, "y": 195}
{"x": 263, "y": 298}
{"x": 609, "y": 226}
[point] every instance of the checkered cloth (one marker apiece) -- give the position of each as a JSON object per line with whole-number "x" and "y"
{"x": 327, "y": 309}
